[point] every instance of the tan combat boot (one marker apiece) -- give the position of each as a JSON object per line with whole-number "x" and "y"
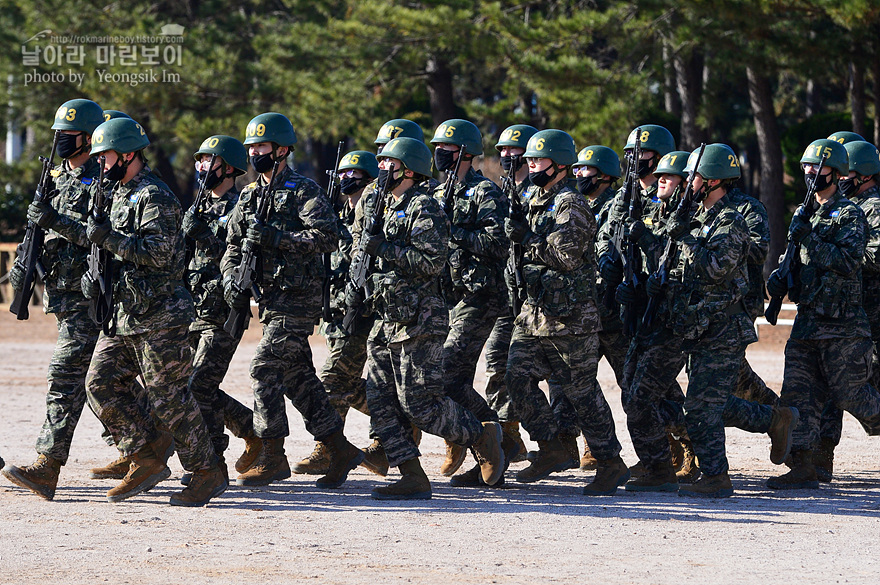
{"x": 489, "y": 453}
{"x": 677, "y": 451}
{"x": 570, "y": 444}
{"x": 115, "y": 470}
{"x": 40, "y": 477}
{"x": 271, "y": 465}
{"x": 375, "y": 459}
{"x": 317, "y": 463}
{"x": 782, "y": 423}
{"x": 802, "y": 475}
{"x": 658, "y": 478}
{"x": 204, "y": 485}
{"x": 689, "y": 471}
{"x": 823, "y": 460}
{"x": 709, "y": 486}
{"x": 610, "y": 474}
{"x": 455, "y": 455}
{"x": 511, "y": 429}
{"x": 412, "y": 485}
{"x": 163, "y": 446}
{"x": 552, "y": 457}
{"x": 343, "y": 458}
{"x": 588, "y": 462}
{"x": 145, "y": 472}
{"x": 252, "y": 447}
{"x": 637, "y": 470}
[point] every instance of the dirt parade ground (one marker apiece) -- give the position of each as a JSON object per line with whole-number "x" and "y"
{"x": 545, "y": 532}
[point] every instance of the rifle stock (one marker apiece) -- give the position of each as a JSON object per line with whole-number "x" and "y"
{"x": 333, "y": 191}
{"x": 100, "y": 263}
{"x": 629, "y": 253}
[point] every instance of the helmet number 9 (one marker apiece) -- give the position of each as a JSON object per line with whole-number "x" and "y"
{"x": 256, "y": 129}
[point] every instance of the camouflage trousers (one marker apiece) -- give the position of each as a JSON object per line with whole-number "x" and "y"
{"x": 497, "y": 349}
{"x": 405, "y": 388}
{"x": 613, "y": 347}
{"x": 819, "y": 371}
{"x": 66, "y": 397}
{"x": 571, "y": 362}
{"x": 212, "y": 351}
{"x": 831, "y": 422}
{"x": 282, "y": 366}
{"x": 471, "y": 321}
{"x": 343, "y": 372}
{"x": 164, "y": 360}
{"x": 750, "y": 386}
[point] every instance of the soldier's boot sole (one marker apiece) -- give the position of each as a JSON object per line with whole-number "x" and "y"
{"x": 610, "y": 491}
{"x": 777, "y": 483}
{"x": 14, "y": 474}
{"x": 282, "y": 474}
{"x": 214, "y": 493}
{"x": 473, "y": 477}
{"x": 144, "y": 486}
{"x": 824, "y": 475}
{"x": 115, "y": 470}
{"x": 455, "y": 456}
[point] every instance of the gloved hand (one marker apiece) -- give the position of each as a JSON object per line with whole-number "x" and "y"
{"x": 16, "y": 276}
{"x": 42, "y": 214}
{"x": 376, "y": 245}
{"x": 195, "y": 227}
{"x": 235, "y": 298}
{"x": 97, "y": 231}
{"x": 633, "y": 230}
{"x": 777, "y": 286}
{"x": 459, "y": 234}
{"x": 353, "y": 296}
{"x": 517, "y": 231}
{"x": 610, "y": 270}
{"x": 264, "y": 235}
{"x": 800, "y": 226}
{"x": 91, "y": 289}
{"x": 625, "y": 293}
{"x": 653, "y": 286}
{"x": 677, "y": 228}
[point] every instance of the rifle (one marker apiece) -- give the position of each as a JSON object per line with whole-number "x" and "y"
{"x": 791, "y": 249}
{"x": 333, "y": 189}
{"x": 100, "y": 262}
{"x": 32, "y": 245}
{"x": 617, "y": 240}
{"x": 362, "y": 264}
{"x": 449, "y": 186}
{"x": 629, "y": 255}
{"x": 198, "y": 207}
{"x": 684, "y": 205}
{"x": 245, "y": 276}
{"x": 517, "y": 213}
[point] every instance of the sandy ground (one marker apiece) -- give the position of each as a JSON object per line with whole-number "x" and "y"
{"x": 539, "y": 533}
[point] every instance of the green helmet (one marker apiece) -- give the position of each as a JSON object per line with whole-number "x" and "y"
{"x": 845, "y": 137}
{"x": 111, "y": 114}
{"x": 517, "y": 135}
{"x": 718, "y": 162}
{"x": 461, "y": 133}
{"x": 270, "y": 127}
{"x": 123, "y": 135}
{"x": 228, "y": 148}
{"x": 414, "y": 154}
{"x": 652, "y": 137}
{"x": 80, "y": 115}
{"x": 836, "y": 155}
{"x": 556, "y": 145}
{"x": 673, "y": 163}
{"x": 399, "y": 128}
{"x": 360, "y": 160}
{"x": 864, "y": 158}
{"x": 601, "y": 157}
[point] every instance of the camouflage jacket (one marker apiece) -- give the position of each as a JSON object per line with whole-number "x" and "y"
{"x": 291, "y": 275}
{"x": 600, "y": 206}
{"x": 755, "y": 214}
{"x": 66, "y": 246}
{"x": 146, "y": 239}
{"x": 869, "y": 201}
{"x": 203, "y": 276}
{"x": 340, "y": 264}
{"x": 478, "y": 247}
{"x": 828, "y": 279}
{"x": 708, "y": 285}
{"x": 509, "y": 268}
{"x": 617, "y": 212}
{"x": 559, "y": 266}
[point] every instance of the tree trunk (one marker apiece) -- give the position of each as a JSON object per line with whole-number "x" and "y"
{"x": 440, "y": 90}
{"x": 857, "y": 97}
{"x": 689, "y": 80}
{"x": 811, "y": 100}
{"x": 770, "y": 188}
{"x": 670, "y": 94}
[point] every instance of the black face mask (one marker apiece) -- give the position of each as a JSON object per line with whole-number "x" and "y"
{"x": 349, "y": 185}
{"x": 822, "y": 181}
{"x": 443, "y": 159}
{"x": 262, "y": 163}
{"x": 382, "y": 180}
{"x": 67, "y": 147}
{"x": 511, "y": 164}
{"x": 646, "y": 167}
{"x": 847, "y": 187}
{"x": 541, "y": 178}
{"x": 211, "y": 180}
{"x": 117, "y": 171}
{"x": 586, "y": 185}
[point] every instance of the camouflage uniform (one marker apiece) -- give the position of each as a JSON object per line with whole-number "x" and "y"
{"x": 828, "y": 356}
{"x": 404, "y": 351}
{"x": 212, "y": 346}
{"x": 153, "y": 313}
{"x": 555, "y": 334}
{"x": 478, "y": 251}
{"x": 291, "y": 304}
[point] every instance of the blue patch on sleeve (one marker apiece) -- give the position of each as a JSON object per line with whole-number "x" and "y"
{"x": 133, "y": 197}
{"x": 87, "y": 180}
{"x": 469, "y": 192}
{"x": 835, "y": 213}
{"x": 401, "y": 214}
{"x": 552, "y": 208}
{"x": 223, "y": 219}
{"x": 290, "y": 184}
{"x": 706, "y": 230}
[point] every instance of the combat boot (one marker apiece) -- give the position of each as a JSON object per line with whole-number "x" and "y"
{"x": 375, "y": 459}
{"x": 588, "y": 462}
{"x": 511, "y": 429}
{"x": 689, "y": 471}
{"x": 489, "y": 453}
{"x": 317, "y": 463}
{"x": 186, "y": 478}
{"x": 709, "y": 486}
{"x": 637, "y": 470}
{"x": 455, "y": 455}
{"x": 40, "y": 477}
{"x": 610, "y": 474}
{"x": 343, "y": 458}
{"x": 658, "y": 478}
{"x": 412, "y": 485}
{"x": 163, "y": 446}
{"x": 570, "y": 444}
{"x": 473, "y": 477}
{"x": 676, "y": 450}
{"x": 252, "y": 447}
{"x": 271, "y": 465}
{"x": 145, "y": 472}
{"x": 782, "y": 423}
{"x": 115, "y": 470}
{"x": 204, "y": 485}
{"x": 823, "y": 460}
{"x": 802, "y": 475}
{"x": 552, "y": 457}
{"x": 417, "y": 435}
